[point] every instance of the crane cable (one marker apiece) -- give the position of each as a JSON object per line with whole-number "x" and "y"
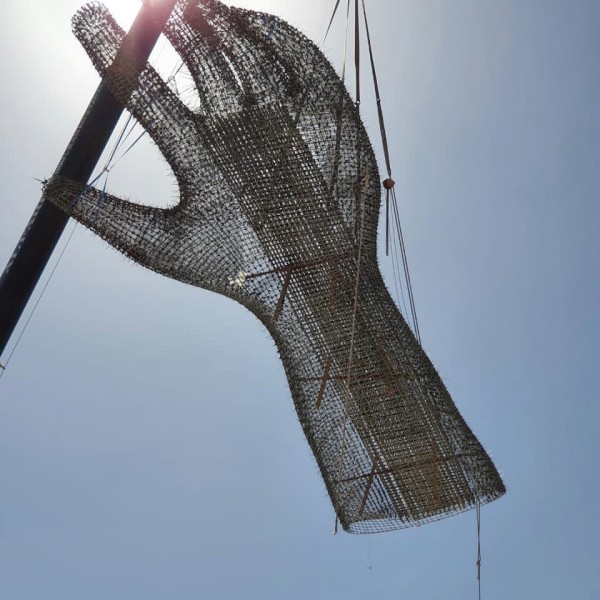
{"x": 478, "y": 514}
{"x": 392, "y": 206}
{"x": 347, "y": 388}
{"x": 391, "y": 203}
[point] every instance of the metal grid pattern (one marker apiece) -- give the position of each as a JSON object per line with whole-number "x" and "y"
{"x": 279, "y": 203}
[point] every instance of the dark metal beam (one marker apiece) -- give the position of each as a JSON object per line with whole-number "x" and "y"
{"x": 47, "y": 223}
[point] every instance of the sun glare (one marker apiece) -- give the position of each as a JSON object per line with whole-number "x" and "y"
{"x": 124, "y": 11}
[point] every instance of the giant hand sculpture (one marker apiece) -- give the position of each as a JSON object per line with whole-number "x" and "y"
{"x": 279, "y": 201}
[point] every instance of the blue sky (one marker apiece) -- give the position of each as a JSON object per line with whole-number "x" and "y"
{"x": 148, "y": 442}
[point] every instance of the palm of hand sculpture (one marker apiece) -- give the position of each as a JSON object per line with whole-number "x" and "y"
{"x": 279, "y": 201}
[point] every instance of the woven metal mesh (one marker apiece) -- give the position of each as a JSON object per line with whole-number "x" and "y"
{"x": 279, "y": 206}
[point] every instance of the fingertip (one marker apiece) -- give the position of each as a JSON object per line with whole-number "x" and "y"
{"x": 88, "y": 15}
{"x": 98, "y": 33}
{"x": 197, "y": 19}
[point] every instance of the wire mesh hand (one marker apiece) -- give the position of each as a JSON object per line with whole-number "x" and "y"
{"x": 279, "y": 201}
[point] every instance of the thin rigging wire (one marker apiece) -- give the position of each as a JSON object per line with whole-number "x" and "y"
{"x": 390, "y": 189}
{"x": 5, "y": 366}
{"x": 398, "y": 276}
{"x": 122, "y": 139}
{"x": 332, "y": 18}
{"x": 384, "y": 139}
{"x": 478, "y": 513}
{"x": 352, "y": 334}
{"x": 357, "y": 50}
{"x": 109, "y": 164}
{"x": 342, "y": 443}
{"x": 400, "y": 237}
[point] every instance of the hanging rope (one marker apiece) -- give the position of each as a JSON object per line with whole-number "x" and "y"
{"x": 359, "y": 259}
{"x": 355, "y": 304}
{"x": 400, "y": 236}
{"x": 332, "y": 18}
{"x": 386, "y": 151}
{"x": 346, "y": 41}
{"x": 336, "y": 159}
{"x": 352, "y": 335}
{"x": 392, "y": 216}
{"x": 5, "y": 365}
{"x": 478, "y": 513}
{"x": 357, "y": 50}
{"x": 400, "y": 297}
{"x": 389, "y": 183}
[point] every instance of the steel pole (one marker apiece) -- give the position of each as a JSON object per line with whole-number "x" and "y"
{"x": 31, "y": 255}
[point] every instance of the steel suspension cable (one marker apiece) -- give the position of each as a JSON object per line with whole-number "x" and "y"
{"x": 389, "y": 182}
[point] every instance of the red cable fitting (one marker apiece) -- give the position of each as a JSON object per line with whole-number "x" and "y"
{"x": 388, "y": 184}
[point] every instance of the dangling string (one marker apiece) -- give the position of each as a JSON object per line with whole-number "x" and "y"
{"x": 478, "y": 513}
{"x": 391, "y": 207}
{"x": 411, "y": 298}
{"x": 351, "y": 349}
{"x": 5, "y": 365}
{"x": 346, "y": 42}
{"x": 386, "y": 151}
{"x": 362, "y": 198}
{"x": 389, "y": 183}
{"x": 357, "y": 50}
{"x": 399, "y": 288}
{"x": 332, "y": 18}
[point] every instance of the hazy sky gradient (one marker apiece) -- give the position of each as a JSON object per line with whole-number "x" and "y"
{"x": 149, "y": 447}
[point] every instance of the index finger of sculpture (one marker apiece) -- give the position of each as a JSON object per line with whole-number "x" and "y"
{"x": 147, "y": 96}
{"x": 218, "y": 85}
{"x": 292, "y": 60}
{"x": 263, "y": 77}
